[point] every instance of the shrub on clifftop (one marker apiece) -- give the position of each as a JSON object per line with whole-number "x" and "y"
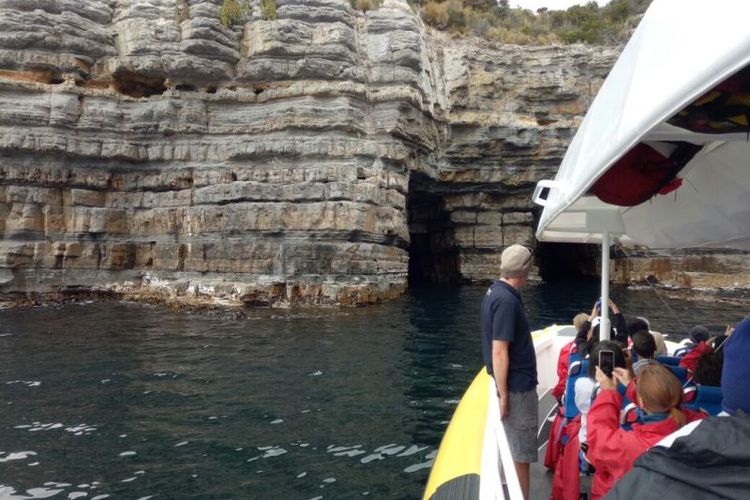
{"x": 365, "y": 5}
{"x": 587, "y": 23}
{"x": 231, "y": 12}
{"x": 268, "y": 7}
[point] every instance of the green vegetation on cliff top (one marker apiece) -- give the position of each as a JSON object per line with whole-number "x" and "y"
{"x": 496, "y": 20}
{"x": 232, "y": 12}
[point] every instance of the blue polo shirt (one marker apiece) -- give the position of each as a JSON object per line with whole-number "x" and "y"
{"x": 503, "y": 318}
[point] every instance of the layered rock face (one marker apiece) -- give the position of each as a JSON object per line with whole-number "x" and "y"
{"x": 512, "y": 113}
{"x": 316, "y": 158}
{"x": 701, "y": 269}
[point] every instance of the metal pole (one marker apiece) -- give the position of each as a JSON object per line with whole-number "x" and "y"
{"x": 604, "y": 328}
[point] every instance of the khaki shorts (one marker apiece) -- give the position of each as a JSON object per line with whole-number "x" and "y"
{"x": 522, "y": 425}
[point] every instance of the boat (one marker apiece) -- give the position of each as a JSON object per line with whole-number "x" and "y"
{"x": 661, "y": 159}
{"x": 467, "y": 463}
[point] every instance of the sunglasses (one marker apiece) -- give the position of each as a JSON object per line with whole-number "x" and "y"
{"x": 531, "y": 254}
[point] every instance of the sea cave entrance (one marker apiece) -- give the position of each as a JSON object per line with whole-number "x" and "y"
{"x": 433, "y": 254}
{"x": 567, "y": 261}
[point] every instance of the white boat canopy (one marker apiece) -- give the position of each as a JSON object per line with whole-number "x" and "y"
{"x": 667, "y": 94}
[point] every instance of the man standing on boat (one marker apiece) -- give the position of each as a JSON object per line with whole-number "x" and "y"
{"x": 510, "y": 358}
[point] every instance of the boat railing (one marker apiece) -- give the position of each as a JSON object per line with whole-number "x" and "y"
{"x": 499, "y": 478}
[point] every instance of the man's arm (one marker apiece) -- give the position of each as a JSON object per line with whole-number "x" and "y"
{"x": 582, "y": 337}
{"x": 500, "y": 363}
{"x": 620, "y": 325}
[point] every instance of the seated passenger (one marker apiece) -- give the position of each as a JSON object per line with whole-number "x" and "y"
{"x": 566, "y": 484}
{"x": 644, "y": 346}
{"x": 613, "y": 450}
{"x": 554, "y": 441}
{"x": 708, "y": 368}
{"x": 661, "y": 346}
{"x": 698, "y": 334}
{"x": 690, "y": 360}
{"x": 584, "y": 387}
{"x": 640, "y": 323}
{"x": 588, "y": 335}
{"x": 564, "y": 356}
{"x": 637, "y": 325}
{"x": 580, "y": 319}
{"x": 706, "y": 459}
{"x": 735, "y": 371}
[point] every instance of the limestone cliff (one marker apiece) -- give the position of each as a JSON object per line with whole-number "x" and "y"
{"x": 316, "y": 158}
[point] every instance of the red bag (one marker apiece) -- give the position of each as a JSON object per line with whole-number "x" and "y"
{"x": 642, "y": 173}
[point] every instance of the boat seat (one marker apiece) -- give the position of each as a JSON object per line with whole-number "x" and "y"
{"x": 708, "y": 399}
{"x": 679, "y": 353}
{"x": 669, "y": 360}
{"x": 679, "y": 372}
{"x": 690, "y": 392}
{"x": 574, "y": 356}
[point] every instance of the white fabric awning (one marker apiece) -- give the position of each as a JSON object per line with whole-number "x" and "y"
{"x": 680, "y": 50}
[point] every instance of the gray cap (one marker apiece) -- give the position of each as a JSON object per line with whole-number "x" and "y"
{"x": 515, "y": 262}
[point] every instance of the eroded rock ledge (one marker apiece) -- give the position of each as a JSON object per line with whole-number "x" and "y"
{"x": 147, "y": 150}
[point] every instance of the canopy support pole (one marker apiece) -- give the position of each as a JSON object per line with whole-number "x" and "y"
{"x": 604, "y": 326}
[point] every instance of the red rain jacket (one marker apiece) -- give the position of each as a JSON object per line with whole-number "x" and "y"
{"x": 613, "y": 450}
{"x": 690, "y": 360}
{"x": 565, "y": 483}
{"x": 562, "y": 370}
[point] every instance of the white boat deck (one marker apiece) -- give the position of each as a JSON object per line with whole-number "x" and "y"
{"x": 547, "y": 349}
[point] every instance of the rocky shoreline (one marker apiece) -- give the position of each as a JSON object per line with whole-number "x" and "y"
{"x": 197, "y": 303}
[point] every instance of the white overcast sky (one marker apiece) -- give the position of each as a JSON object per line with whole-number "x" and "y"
{"x": 551, "y": 4}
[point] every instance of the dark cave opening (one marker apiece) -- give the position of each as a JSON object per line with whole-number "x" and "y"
{"x": 566, "y": 261}
{"x": 136, "y": 85}
{"x": 433, "y": 254}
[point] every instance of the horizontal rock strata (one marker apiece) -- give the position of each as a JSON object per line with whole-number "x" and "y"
{"x": 702, "y": 269}
{"x": 146, "y": 148}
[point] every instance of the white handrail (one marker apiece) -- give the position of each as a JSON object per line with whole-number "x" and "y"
{"x": 497, "y": 459}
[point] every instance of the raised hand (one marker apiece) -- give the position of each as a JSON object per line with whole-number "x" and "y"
{"x": 605, "y": 382}
{"x": 614, "y": 307}
{"x": 622, "y": 375}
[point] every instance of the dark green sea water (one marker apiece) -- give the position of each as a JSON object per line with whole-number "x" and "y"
{"x": 132, "y": 401}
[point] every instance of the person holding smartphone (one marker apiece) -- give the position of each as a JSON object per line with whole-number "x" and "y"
{"x": 705, "y": 459}
{"x": 589, "y": 335}
{"x": 607, "y": 354}
{"x": 613, "y": 450}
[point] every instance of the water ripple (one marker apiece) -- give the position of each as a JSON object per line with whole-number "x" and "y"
{"x": 278, "y": 401}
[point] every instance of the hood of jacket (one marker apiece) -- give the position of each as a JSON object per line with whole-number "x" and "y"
{"x": 710, "y": 462}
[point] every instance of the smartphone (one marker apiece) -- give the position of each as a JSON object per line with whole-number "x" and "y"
{"x": 607, "y": 362}
{"x": 599, "y": 305}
